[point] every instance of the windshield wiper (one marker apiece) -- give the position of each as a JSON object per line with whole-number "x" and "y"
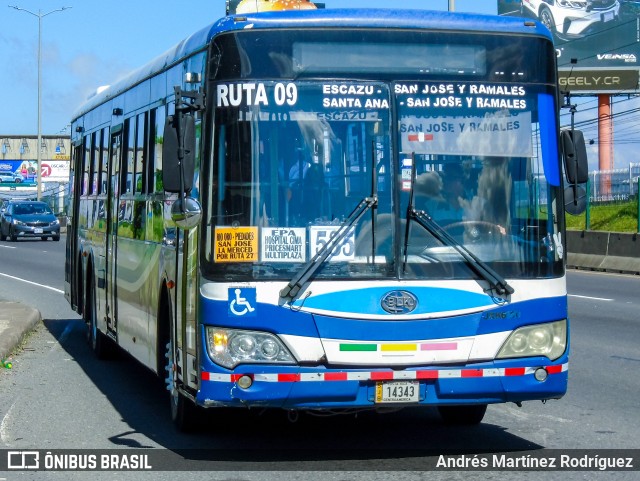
{"x": 498, "y": 286}
{"x": 309, "y": 269}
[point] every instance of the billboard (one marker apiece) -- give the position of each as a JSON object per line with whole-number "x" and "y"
{"x": 590, "y": 36}
{"x": 53, "y": 170}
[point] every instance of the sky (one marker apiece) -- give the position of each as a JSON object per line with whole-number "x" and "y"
{"x": 95, "y": 43}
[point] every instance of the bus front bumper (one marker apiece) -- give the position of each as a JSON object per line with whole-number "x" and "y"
{"x": 313, "y": 388}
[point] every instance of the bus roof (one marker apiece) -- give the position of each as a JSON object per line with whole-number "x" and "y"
{"x": 350, "y": 18}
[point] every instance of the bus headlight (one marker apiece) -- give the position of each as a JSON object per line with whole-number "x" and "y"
{"x": 230, "y": 347}
{"x": 549, "y": 340}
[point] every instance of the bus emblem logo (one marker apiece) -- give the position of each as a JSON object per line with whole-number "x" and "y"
{"x": 399, "y": 302}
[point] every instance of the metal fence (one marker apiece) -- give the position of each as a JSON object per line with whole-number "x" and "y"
{"x": 614, "y": 185}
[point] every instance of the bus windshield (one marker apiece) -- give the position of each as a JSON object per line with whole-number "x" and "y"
{"x": 292, "y": 158}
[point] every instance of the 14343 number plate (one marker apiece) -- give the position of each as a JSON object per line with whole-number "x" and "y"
{"x": 398, "y": 392}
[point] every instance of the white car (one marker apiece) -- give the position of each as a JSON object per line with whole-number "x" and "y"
{"x": 570, "y": 19}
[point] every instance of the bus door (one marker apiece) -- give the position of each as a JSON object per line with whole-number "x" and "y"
{"x": 112, "y": 208}
{"x": 185, "y": 309}
{"x": 72, "y": 288}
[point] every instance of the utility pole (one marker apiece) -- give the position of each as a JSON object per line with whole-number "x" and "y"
{"x": 452, "y": 5}
{"x": 40, "y": 16}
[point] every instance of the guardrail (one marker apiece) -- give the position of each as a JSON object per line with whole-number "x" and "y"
{"x": 604, "y": 251}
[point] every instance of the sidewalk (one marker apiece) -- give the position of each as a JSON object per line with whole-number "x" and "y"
{"x": 16, "y": 320}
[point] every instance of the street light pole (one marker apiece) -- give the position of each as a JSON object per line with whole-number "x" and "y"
{"x": 40, "y": 16}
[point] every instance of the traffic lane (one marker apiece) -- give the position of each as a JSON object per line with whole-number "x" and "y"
{"x": 34, "y": 260}
{"x": 605, "y": 295}
{"x": 603, "y": 366}
{"x": 621, "y": 288}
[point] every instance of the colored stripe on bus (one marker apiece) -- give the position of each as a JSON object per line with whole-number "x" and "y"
{"x": 386, "y": 375}
{"x": 431, "y": 346}
{"x": 398, "y": 347}
{"x": 358, "y": 347}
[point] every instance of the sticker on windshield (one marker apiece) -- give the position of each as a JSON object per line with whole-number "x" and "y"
{"x": 321, "y": 235}
{"x": 283, "y": 244}
{"x": 236, "y": 244}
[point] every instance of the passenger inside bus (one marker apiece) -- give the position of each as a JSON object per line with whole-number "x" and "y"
{"x": 444, "y": 194}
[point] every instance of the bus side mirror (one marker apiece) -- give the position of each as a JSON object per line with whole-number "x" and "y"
{"x": 174, "y": 147}
{"x": 574, "y": 152}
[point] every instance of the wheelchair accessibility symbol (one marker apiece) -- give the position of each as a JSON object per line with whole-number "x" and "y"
{"x": 242, "y": 302}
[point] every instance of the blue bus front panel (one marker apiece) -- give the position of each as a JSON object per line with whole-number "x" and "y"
{"x": 323, "y": 385}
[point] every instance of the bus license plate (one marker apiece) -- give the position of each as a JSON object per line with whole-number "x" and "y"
{"x": 398, "y": 392}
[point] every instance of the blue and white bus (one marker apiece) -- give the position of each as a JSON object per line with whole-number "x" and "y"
{"x": 330, "y": 209}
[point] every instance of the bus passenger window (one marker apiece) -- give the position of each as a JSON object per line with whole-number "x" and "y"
{"x": 86, "y": 162}
{"x": 128, "y": 162}
{"x": 140, "y": 153}
{"x": 104, "y": 161}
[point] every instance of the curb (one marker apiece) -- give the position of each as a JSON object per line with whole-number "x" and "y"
{"x": 16, "y": 321}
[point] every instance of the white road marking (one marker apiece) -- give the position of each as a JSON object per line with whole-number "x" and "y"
{"x": 3, "y": 427}
{"x": 592, "y": 298}
{"x": 32, "y": 283}
{"x": 8, "y": 247}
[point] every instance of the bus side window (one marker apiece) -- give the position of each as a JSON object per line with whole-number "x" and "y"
{"x": 140, "y": 154}
{"x": 95, "y": 159}
{"x": 86, "y": 162}
{"x": 128, "y": 160}
{"x": 104, "y": 161}
{"x": 155, "y": 166}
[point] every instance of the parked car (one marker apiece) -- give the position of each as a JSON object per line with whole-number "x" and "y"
{"x": 21, "y": 219}
{"x": 15, "y": 177}
{"x": 572, "y": 19}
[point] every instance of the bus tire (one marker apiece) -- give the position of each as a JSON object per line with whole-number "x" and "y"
{"x": 184, "y": 413}
{"x": 463, "y": 415}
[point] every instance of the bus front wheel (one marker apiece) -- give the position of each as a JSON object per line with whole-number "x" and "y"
{"x": 463, "y": 415}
